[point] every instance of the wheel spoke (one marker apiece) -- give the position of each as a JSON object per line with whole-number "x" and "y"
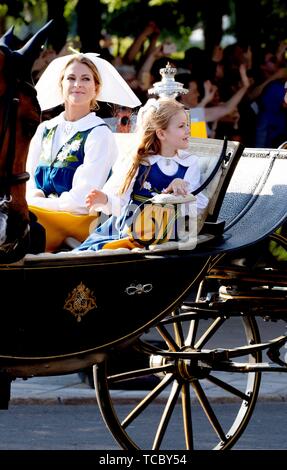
{"x": 208, "y": 410}
{"x": 147, "y": 348}
{"x": 178, "y": 328}
{"x": 166, "y": 415}
{"x": 147, "y": 400}
{"x": 167, "y": 337}
{"x": 215, "y": 325}
{"x": 190, "y": 339}
{"x": 139, "y": 373}
{"x": 229, "y": 388}
{"x": 187, "y": 417}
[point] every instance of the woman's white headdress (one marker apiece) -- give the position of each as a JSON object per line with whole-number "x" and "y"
{"x": 114, "y": 88}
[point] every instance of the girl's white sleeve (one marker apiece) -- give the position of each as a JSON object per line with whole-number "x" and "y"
{"x": 100, "y": 155}
{"x": 194, "y": 179}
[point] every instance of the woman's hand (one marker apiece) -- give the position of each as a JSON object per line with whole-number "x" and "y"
{"x": 178, "y": 186}
{"x": 96, "y": 197}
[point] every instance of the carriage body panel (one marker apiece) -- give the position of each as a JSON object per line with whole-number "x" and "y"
{"x": 88, "y": 304}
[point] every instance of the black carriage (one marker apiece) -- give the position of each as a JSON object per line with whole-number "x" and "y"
{"x": 64, "y": 312}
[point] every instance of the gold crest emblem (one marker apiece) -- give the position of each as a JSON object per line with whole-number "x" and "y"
{"x": 80, "y": 301}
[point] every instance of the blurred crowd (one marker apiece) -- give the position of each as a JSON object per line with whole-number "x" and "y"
{"x": 242, "y": 97}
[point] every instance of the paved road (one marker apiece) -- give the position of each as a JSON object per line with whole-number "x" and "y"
{"x": 73, "y": 427}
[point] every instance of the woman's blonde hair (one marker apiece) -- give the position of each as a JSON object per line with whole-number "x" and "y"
{"x": 82, "y": 59}
{"x": 156, "y": 116}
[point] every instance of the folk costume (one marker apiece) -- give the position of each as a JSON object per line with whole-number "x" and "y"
{"x": 56, "y": 159}
{"x": 152, "y": 178}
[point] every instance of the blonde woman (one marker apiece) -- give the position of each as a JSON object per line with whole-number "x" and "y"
{"x": 75, "y": 151}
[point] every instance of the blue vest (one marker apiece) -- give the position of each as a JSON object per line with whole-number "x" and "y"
{"x": 56, "y": 176}
{"x": 151, "y": 180}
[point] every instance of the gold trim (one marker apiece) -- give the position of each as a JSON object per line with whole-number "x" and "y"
{"x": 80, "y": 301}
{"x": 28, "y": 267}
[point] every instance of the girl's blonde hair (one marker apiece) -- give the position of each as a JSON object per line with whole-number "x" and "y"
{"x": 82, "y": 59}
{"x": 156, "y": 116}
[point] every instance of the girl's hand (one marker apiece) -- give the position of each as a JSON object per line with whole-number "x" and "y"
{"x": 178, "y": 187}
{"x": 96, "y": 197}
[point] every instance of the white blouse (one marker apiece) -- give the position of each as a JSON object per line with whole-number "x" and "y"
{"x": 101, "y": 152}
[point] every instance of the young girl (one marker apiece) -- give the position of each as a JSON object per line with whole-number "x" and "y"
{"x": 162, "y": 164}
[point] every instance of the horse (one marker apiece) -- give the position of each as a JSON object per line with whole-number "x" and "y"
{"x": 19, "y": 117}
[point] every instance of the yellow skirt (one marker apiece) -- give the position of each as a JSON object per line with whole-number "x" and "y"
{"x": 59, "y": 225}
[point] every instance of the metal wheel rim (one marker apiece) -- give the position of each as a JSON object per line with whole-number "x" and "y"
{"x": 180, "y": 390}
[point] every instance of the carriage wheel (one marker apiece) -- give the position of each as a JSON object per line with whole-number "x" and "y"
{"x": 185, "y": 397}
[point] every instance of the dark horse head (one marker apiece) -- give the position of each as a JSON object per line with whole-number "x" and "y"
{"x": 19, "y": 118}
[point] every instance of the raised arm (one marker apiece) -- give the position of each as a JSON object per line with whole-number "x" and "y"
{"x": 135, "y": 47}
{"x": 217, "y": 112}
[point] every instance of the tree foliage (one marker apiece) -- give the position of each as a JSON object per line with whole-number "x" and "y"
{"x": 257, "y": 21}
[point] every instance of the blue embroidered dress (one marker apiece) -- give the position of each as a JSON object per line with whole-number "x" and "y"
{"x": 54, "y": 176}
{"x": 150, "y": 180}
{"x": 67, "y": 160}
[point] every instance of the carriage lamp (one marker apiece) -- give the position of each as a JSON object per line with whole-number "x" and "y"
{"x": 167, "y": 87}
